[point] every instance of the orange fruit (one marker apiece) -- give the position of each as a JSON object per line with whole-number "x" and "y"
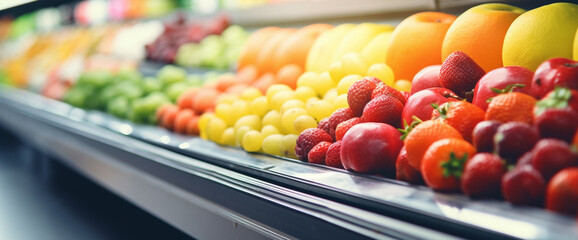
{"x": 185, "y": 100}
{"x": 514, "y": 106}
{"x": 238, "y": 88}
{"x": 289, "y": 74}
{"x": 294, "y": 50}
{"x": 253, "y": 46}
{"x": 422, "y": 136}
{"x": 182, "y": 119}
{"x": 248, "y": 74}
{"x": 205, "y": 99}
{"x": 417, "y": 43}
{"x": 480, "y": 32}
{"x": 267, "y": 54}
{"x": 461, "y": 115}
{"x": 168, "y": 117}
{"x": 264, "y": 82}
{"x": 225, "y": 81}
{"x": 162, "y": 110}
{"x": 444, "y": 161}
{"x": 193, "y": 126}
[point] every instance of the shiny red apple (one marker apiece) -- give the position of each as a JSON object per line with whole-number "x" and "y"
{"x": 419, "y": 104}
{"x": 554, "y": 72}
{"x": 499, "y": 79}
{"x": 426, "y": 78}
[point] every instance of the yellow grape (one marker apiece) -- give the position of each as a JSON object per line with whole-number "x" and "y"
{"x": 276, "y": 88}
{"x": 252, "y": 141}
{"x": 203, "y": 120}
{"x": 304, "y": 122}
{"x": 336, "y": 71}
{"x": 319, "y": 109}
{"x": 259, "y": 106}
{"x": 226, "y": 98}
{"x": 240, "y": 108}
{"x": 304, "y": 93}
{"x": 293, "y": 103}
{"x": 288, "y": 118}
{"x": 239, "y": 133}
{"x": 279, "y": 98}
{"x": 252, "y": 121}
{"x": 383, "y": 72}
{"x": 403, "y": 85}
{"x": 307, "y": 79}
{"x": 353, "y": 63}
{"x": 346, "y": 82}
{"x": 288, "y": 146}
{"x": 323, "y": 83}
{"x": 330, "y": 95}
{"x": 225, "y": 112}
{"x": 273, "y": 118}
{"x": 272, "y": 144}
{"x": 250, "y": 93}
{"x": 228, "y": 137}
{"x": 215, "y": 129}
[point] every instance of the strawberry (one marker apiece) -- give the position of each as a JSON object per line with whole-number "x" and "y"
{"x": 525, "y": 159}
{"x": 513, "y": 139}
{"x": 375, "y": 80}
{"x": 460, "y": 73}
{"x": 523, "y": 186}
{"x": 333, "y": 156}
{"x": 324, "y": 125}
{"x": 404, "y": 171}
{"x": 552, "y": 155}
{"x": 555, "y": 115}
{"x": 344, "y": 126}
{"x": 384, "y": 109}
{"x": 482, "y": 175}
{"x": 359, "y": 94}
{"x": 308, "y": 139}
{"x": 318, "y": 153}
{"x": 337, "y": 117}
{"x": 562, "y": 193}
{"x": 383, "y": 89}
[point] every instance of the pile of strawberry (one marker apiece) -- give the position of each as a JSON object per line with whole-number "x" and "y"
{"x": 507, "y": 134}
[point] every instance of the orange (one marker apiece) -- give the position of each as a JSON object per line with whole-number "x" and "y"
{"x": 444, "y": 161}
{"x": 205, "y": 100}
{"x": 162, "y": 110}
{"x": 480, "y": 32}
{"x": 168, "y": 117}
{"x": 422, "y": 136}
{"x": 226, "y": 81}
{"x": 267, "y": 54}
{"x": 461, "y": 115}
{"x": 248, "y": 74}
{"x": 264, "y": 82}
{"x": 417, "y": 43}
{"x": 514, "y": 106}
{"x": 182, "y": 119}
{"x": 289, "y": 74}
{"x": 253, "y": 46}
{"x": 185, "y": 100}
{"x": 193, "y": 126}
{"x": 294, "y": 50}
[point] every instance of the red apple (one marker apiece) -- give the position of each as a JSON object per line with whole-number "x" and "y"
{"x": 501, "y": 78}
{"x": 554, "y": 72}
{"x": 371, "y": 148}
{"x": 419, "y": 104}
{"x": 426, "y": 78}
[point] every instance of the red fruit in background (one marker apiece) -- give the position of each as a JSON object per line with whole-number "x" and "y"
{"x": 523, "y": 186}
{"x": 560, "y": 98}
{"x": 308, "y": 139}
{"x": 333, "y": 157}
{"x": 384, "y": 89}
{"x": 371, "y": 148}
{"x": 552, "y": 155}
{"x": 384, "y": 109}
{"x": 461, "y": 115}
{"x": 557, "y": 123}
{"x": 404, "y": 171}
{"x": 501, "y": 78}
{"x": 562, "y": 193}
{"x": 318, "y": 153}
{"x": 561, "y": 72}
{"x": 428, "y": 77}
{"x": 483, "y": 175}
{"x": 337, "y": 117}
{"x": 344, "y": 126}
{"x": 514, "y": 139}
{"x": 359, "y": 94}
{"x": 460, "y": 73}
{"x": 419, "y": 104}
{"x": 483, "y": 135}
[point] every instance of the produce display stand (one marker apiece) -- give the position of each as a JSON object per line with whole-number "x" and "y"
{"x": 211, "y": 191}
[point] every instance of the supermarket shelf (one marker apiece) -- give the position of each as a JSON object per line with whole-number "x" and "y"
{"x": 212, "y": 174}
{"x": 199, "y": 198}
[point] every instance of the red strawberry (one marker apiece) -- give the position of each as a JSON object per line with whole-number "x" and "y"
{"x": 324, "y": 125}
{"x": 318, "y": 153}
{"x": 308, "y": 139}
{"x": 333, "y": 158}
{"x": 384, "y": 109}
{"x": 460, "y": 73}
{"x": 555, "y": 115}
{"x": 359, "y": 94}
{"x": 344, "y": 126}
{"x": 513, "y": 139}
{"x": 523, "y": 186}
{"x": 405, "y": 96}
{"x": 404, "y": 171}
{"x": 562, "y": 193}
{"x": 375, "y": 80}
{"x": 337, "y": 117}
{"x": 482, "y": 175}
{"x": 525, "y": 159}
{"x": 561, "y": 98}
{"x": 552, "y": 155}
{"x": 383, "y": 89}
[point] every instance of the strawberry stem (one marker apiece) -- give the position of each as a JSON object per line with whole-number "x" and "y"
{"x": 507, "y": 89}
{"x": 454, "y": 166}
{"x": 559, "y": 99}
{"x": 407, "y": 128}
{"x": 443, "y": 111}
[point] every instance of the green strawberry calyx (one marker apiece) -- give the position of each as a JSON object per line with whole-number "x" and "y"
{"x": 443, "y": 111}
{"x": 408, "y": 127}
{"x": 508, "y": 89}
{"x": 559, "y": 99}
{"x": 454, "y": 166}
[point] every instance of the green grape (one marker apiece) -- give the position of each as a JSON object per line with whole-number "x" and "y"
{"x": 319, "y": 109}
{"x": 239, "y": 133}
{"x": 195, "y": 80}
{"x": 288, "y": 146}
{"x": 252, "y": 121}
{"x": 215, "y": 129}
{"x": 174, "y": 90}
{"x": 293, "y": 103}
{"x": 304, "y": 93}
{"x": 171, "y": 74}
{"x": 276, "y": 88}
{"x": 346, "y": 82}
{"x": 383, "y": 72}
{"x": 279, "y": 98}
{"x": 228, "y": 137}
{"x": 304, "y": 122}
{"x": 272, "y": 144}
{"x": 273, "y": 118}
{"x": 268, "y": 130}
{"x": 259, "y": 106}
{"x": 252, "y": 141}
{"x": 250, "y": 93}
{"x": 288, "y": 118}
{"x": 151, "y": 84}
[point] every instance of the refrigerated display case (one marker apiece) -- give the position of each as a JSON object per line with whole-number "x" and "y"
{"x": 210, "y": 191}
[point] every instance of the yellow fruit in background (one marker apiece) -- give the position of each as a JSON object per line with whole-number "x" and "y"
{"x": 376, "y": 50}
{"x": 383, "y": 72}
{"x": 479, "y": 32}
{"x": 322, "y": 51}
{"x": 359, "y": 37}
{"x": 576, "y": 46}
{"x": 540, "y": 34}
{"x": 353, "y": 63}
